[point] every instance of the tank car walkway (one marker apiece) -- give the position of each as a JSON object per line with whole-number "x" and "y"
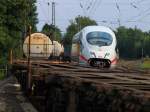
{"x": 11, "y": 98}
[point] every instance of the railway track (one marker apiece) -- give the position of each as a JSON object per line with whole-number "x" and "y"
{"x": 120, "y": 76}
{"x": 64, "y": 77}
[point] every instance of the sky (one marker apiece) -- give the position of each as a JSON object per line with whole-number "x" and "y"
{"x": 110, "y": 13}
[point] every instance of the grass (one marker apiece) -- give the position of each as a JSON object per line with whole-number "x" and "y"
{"x": 146, "y": 64}
{"x": 2, "y": 74}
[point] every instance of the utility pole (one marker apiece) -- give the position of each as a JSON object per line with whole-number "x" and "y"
{"x": 53, "y": 13}
{"x": 25, "y": 22}
{"x": 53, "y": 20}
{"x": 142, "y": 53}
{"x": 29, "y": 54}
{"x": 29, "y": 61}
{"x": 11, "y": 57}
{"x": 119, "y": 23}
{"x": 53, "y": 24}
{"x": 79, "y": 24}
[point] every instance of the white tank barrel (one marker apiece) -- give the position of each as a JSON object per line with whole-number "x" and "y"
{"x": 58, "y": 49}
{"x": 41, "y": 46}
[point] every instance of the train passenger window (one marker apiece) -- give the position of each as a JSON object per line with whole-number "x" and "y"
{"x": 99, "y": 38}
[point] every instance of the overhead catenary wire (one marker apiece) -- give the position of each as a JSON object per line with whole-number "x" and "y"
{"x": 118, "y": 8}
{"x": 85, "y": 6}
{"x": 132, "y": 4}
{"x": 89, "y": 7}
{"x": 96, "y": 7}
{"x": 82, "y": 7}
{"x": 44, "y": 12}
{"x": 146, "y": 15}
{"x": 140, "y": 14}
{"x": 138, "y": 2}
{"x": 92, "y": 6}
{"x": 44, "y": 1}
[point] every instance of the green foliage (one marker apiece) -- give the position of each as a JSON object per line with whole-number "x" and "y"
{"x": 20, "y": 14}
{"x": 52, "y": 31}
{"x": 3, "y": 71}
{"x": 75, "y": 26}
{"x": 146, "y": 63}
{"x": 2, "y": 74}
{"x": 15, "y": 17}
{"x": 131, "y": 42}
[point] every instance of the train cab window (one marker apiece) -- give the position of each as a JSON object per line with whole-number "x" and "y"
{"x": 99, "y": 38}
{"x": 80, "y": 36}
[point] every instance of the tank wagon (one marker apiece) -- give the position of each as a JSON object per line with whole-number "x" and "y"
{"x": 95, "y": 46}
{"x": 58, "y": 49}
{"x": 41, "y": 46}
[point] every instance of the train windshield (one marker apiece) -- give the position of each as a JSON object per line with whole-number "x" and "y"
{"x": 99, "y": 38}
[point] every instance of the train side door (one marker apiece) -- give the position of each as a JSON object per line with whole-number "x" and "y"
{"x": 75, "y": 51}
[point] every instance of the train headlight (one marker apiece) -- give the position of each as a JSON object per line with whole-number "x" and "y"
{"x": 93, "y": 54}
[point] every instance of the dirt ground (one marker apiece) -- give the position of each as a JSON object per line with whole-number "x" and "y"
{"x": 130, "y": 63}
{"x": 11, "y": 97}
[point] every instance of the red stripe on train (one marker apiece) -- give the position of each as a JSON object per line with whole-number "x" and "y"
{"x": 114, "y": 61}
{"x": 83, "y": 58}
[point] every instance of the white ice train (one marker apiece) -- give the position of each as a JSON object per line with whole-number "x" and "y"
{"x": 95, "y": 46}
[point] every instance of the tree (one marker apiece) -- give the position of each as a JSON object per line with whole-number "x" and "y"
{"x": 146, "y": 45}
{"x": 52, "y": 31}
{"x": 15, "y": 17}
{"x": 19, "y": 15}
{"x": 75, "y": 26}
{"x": 131, "y": 42}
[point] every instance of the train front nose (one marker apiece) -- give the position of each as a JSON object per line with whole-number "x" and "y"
{"x": 98, "y": 62}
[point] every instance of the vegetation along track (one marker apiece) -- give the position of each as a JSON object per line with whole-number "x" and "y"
{"x": 61, "y": 87}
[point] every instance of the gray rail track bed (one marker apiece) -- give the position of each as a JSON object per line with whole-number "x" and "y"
{"x": 73, "y": 88}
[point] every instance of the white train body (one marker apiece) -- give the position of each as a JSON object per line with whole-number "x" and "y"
{"x": 58, "y": 49}
{"x": 95, "y": 46}
{"x": 40, "y": 47}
